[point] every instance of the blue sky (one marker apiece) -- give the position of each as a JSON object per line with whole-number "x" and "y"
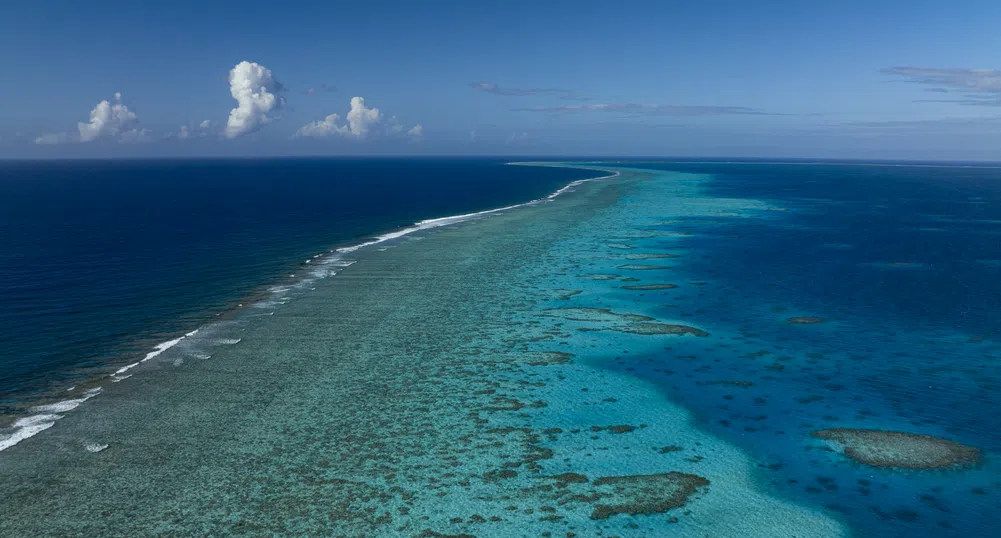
{"x": 847, "y": 79}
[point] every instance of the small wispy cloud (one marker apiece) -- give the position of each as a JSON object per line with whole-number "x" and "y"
{"x": 979, "y": 87}
{"x": 678, "y": 111}
{"x": 515, "y": 138}
{"x": 191, "y": 130}
{"x": 322, "y": 88}
{"x": 564, "y": 94}
{"x": 990, "y": 121}
{"x": 490, "y": 87}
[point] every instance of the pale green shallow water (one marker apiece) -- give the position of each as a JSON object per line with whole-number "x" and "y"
{"x": 428, "y": 388}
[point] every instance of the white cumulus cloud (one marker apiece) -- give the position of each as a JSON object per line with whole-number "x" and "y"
{"x": 361, "y": 122}
{"x": 107, "y": 121}
{"x": 256, "y": 92}
{"x": 191, "y": 130}
{"x": 326, "y": 127}
{"x": 361, "y": 119}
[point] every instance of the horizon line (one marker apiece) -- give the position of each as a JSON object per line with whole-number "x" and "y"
{"x": 533, "y": 158}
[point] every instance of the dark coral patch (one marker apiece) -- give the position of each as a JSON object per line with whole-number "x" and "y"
{"x": 544, "y": 358}
{"x": 564, "y": 294}
{"x": 591, "y": 314}
{"x": 648, "y": 329}
{"x": 569, "y": 478}
{"x": 658, "y": 256}
{"x": 600, "y": 276}
{"x": 733, "y": 383}
{"x": 805, "y": 320}
{"x": 642, "y": 267}
{"x": 645, "y": 494}
{"x": 650, "y": 287}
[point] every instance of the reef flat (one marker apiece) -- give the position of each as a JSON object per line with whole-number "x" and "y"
{"x": 442, "y": 387}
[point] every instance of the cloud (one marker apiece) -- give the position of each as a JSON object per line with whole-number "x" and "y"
{"x": 647, "y": 110}
{"x": 191, "y": 130}
{"x": 361, "y": 121}
{"x": 489, "y": 87}
{"x": 107, "y": 121}
{"x": 134, "y": 136}
{"x": 52, "y": 138}
{"x": 514, "y": 138}
{"x": 322, "y": 128}
{"x": 979, "y": 86}
{"x": 255, "y": 89}
{"x": 992, "y": 122}
{"x": 415, "y": 132}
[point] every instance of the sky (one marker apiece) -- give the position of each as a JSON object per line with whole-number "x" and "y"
{"x": 874, "y": 79}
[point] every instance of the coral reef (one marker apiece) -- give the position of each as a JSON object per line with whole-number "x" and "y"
{"x": 903, "y": 450}
{"x": 805, "y": 320}
{"x": 653, "y": 329}
{"x": 591, "y": 314}
{"x": 650, "y": 287}
{"x": 642, "y": 267}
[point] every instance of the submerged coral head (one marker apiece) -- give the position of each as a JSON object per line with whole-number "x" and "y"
{"x": 901, "y": 450}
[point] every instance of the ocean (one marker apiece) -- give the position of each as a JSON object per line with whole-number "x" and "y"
{"x": 101, "y": 260}
{"x": 672, "y": 348}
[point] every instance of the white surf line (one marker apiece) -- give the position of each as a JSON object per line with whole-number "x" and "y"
{"x": 44, "y": 418}
{"x": 454, "y": 219}
{"x": 160, "y": 348}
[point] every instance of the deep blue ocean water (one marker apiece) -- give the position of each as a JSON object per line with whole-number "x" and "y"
{"x": 903, "y": 264}
{"x": 101, "y": 260}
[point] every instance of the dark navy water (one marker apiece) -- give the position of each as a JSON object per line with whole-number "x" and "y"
{"x": 902, "y": 262}
{"x": 946, "y": 219}
{"x": 102, "y": 259}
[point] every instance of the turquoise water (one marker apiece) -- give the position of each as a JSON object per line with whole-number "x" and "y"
{"x": 498, "y": 377}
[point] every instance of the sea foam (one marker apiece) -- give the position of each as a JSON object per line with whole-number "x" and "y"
{"x": 44, "y": 418}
